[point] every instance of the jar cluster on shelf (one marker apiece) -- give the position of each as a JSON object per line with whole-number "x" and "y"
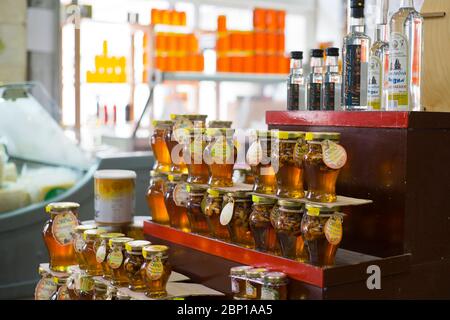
{"x": 93, "y": 259}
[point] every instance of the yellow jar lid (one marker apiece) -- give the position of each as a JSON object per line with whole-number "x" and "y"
{"x": 111, "y": 235}
{"x": 162, "y": 123}
{"x": 275, "y": 278}
{"x": 264, "y": 133}
{"x": 60, "y": 280}
{"x": 57, "y": 207}
{"x": 317, "y": 209}
{"x": 211, "y": 132}
{"x": 153, "y": 250}
{"x": 288, "y": 203}
{"x": 238, "y": 194}
{"x": 136, "y": 246}
{"x": 263, "y": 200}
{"x": 220, "y": 124}
{"x": 319, "y": 136}
{"x": 255, "y": 273}
{"x": 83, "y": 227}
{"x": 154, "y": 173}
{"x": 93, "y": 233}
{"x": 121, "y": 241}
{"x": 192, "y": 117}
{"x": 239, "y": 270}
{"x": 195, "y": 188}
{"x": 176, "y": 177}
{"x": 214, "y": 193}
{"x": 288, "y": 135}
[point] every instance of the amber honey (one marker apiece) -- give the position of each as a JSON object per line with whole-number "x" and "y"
{"x": 103, "y": 250}
{"x": 238, "y": 281}
{"x": 220, "y": 155}
{"x": 320, "y": 177}
{"x": 116, "y": 260}
{"x": 133, "y": 263}
{"x": 213, "y": 208}
{"x": 175, "y": 207}
{"x": 254, "y": 282}
{"x": 89, "y": 252}
{"x": 195, "y": 209}
{"x": 155, "y": 199}
{"x": 156, "y": 270}
{"x": 159, "y": 146}
{"x": 193, "y": 152}
{"x": 78, "y": 243}
{"x": 290, "y": 172}
{"x": 239, "y": 225}
{"x": 261, "y": 227}
{"x": 57, "y": 234}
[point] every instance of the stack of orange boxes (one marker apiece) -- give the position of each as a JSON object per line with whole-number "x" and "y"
{"x": 259, "y": 51}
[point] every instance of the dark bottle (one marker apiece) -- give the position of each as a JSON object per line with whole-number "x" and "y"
{"x": 296, "y": 83}
{"x": 315, "y": 80}
{"x": 331, "y": 91}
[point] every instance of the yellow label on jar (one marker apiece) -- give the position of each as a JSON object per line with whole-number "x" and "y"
{"x": 333, "y": 230}
{"x": 44, "y": 289}
{"x": 100, "y": 255}
{"x": 334, "y": 155}
{"x": 115, "y": 259}
{"x": 62, "y": 227}
{"x": 154, "y": 269}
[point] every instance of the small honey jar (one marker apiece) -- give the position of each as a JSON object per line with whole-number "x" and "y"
{"x": 103, "y": 250}
{"x": 155, "y": 198}
{"x": 101, "y": 290}
{"x": 193, "y": 153}
{"x": 46, "y": 287}
{"x": 159, "y": 146}
{"x": 236, "y": 216}
{"x": 116, "y": 259}
{"x": 254, "y": 282}
{"x": 213, "y": 208}
{"x": 133, "y": 263}
{"x": 175, "y": 199}
{"x": 195, "y": 207}
{"x": 262, "y": 230}
{"x": 78, "y": 243}
{"x": 156, "y": 270}
{"x": 238, "y": 281}
{"x": 274, "y": 286}
{"x": 89, "y": 251}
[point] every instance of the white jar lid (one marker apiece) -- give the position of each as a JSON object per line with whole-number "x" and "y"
{"x": 115, "y": 174}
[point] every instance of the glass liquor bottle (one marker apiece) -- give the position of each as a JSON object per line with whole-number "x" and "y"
{"x": 355, "y": 54}
{"x": 379, "y": 62}
{"x": 315, "y": 80}
{"x": 405, "y": 67}
{"x": 296, "y": 83}
{"x": 331, "y": 91}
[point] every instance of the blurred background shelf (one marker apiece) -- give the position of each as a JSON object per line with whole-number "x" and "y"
{"x": 224, "y": 77}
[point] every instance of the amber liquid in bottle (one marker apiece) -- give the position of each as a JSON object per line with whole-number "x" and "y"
{"x": 119, "y": 275}
{"x": 263, "y": 173}
{"x": 195, "y": 214}
{"x": 89, "y": 253}
{"x": 177, "y": 214}
{"x": 289, "y": 235}
{"x": 262, "y": 230}
{"x": 178, "y": 165}
{"x": 156, "y": 288}
{"x": 133, "y": 265}
{"x": 221, "y": 172}
{"x": 160, "y": 150}
{"x": 212, "y": 211}
{"x": 239, "y": 226}
{"x": 155, "y": 202}
{"x": 290, "y": 173}
{"x": 197, "y": 168}
{"x": 321, "y": 179}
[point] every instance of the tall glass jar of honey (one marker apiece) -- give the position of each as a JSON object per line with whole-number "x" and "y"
{"x": 289, "y": 171}
{"x": 322, "y": 233}
{"x": 103, "y": 250}
{"x": 89, "y": 252}
{"x": 259, "y": 157}
{"x": 116, "y": 259}
{"x": 159, "y": 146}
{"x": 155, "y": 198}
{"x": 213, "y": 208}
{"x": 176, "y": 137}
{"x": 156, "y": 270}
{"x": 133, "y": 263}
{"x": 57, "y": 234}
{"x": 195, "y": 209}
{"x": 288, "y": 229}
{"x": 78, "y": 243}
{"x": 193, "y": 153}
{"x": 262, "y": 230}
{"x": 175, "y": 198}
{"x": 236, "y": 216}
{"x": 220, "y": 154}
{"x": 322, "y": 163}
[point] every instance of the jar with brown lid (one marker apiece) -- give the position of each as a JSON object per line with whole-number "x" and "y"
{"x": 155, "y": 198}
{"x": 116, "y": 259}
{"x": 133, "y": 263}
{"x": 89, "y": 252}
{"x": 220, "y": 124}
{"x": 103, "y": 250}
{"x": 156, "y": 270}
{"x": 159, "y": 146}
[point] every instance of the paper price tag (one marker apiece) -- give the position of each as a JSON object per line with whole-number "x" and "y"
{"x": 227, "y": 213}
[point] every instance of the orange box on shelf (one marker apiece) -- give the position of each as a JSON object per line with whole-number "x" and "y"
{"x": 284, "y": 65}
{"x": 182, "y": 43}
{"x": 271, "y": 20}
{"x": 259, "y": 19}
{"x": 171, "y": 63}
{"x": 160, "y": 63}
{"x": 272, "y": 63}
{"x": 223, "y": 43}
{"x": 259, "y": 41}
{"x": 223, "y": 64}
{"x": 182, "y": 64}
{"x": 161, "y": 42}
{"x": 281, "y": 20}
{"x": 280, "y": 38}
{"x": 236, "y": 41}
{"x": 165, "y": 17}
{"x": 192, "y": 43}
{"x": 237, "y": 64}
{"x": 182, "y": 18}
{"x": 156, "y": 16}
{"x": 200, "y": 63}
{"x": 271, "y": 42}
{"x": 171, "y": 42}
{"x": 260, "y": 63}
{"x": 248, "y": 40}
{"x": 249, "y": 64}
{"x": 175, "y": 18}
{"x": 221, "y": 23}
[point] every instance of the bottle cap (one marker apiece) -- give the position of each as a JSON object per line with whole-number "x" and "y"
{"x": 332, "y": 52}
{"x": 357, "y": 7}
{"x": 317, "y": 53}
{"x": 298, "y": 55}
{"x": 59, "y": 207}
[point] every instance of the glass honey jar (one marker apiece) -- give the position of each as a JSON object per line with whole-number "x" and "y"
{"x": 195, "y": 209}
{"x": 116, "y": 259}
{"x": 288, "y": 230}
{"x": 175, "y": 198}
{"x": 101, "y": 290}
{"x": 57, "y": 234}
{"x": 175, "y": 138}
{"x": 220, "y": 124}
{"x": 89, "y": 251}
{"x": 238, "y": 281}
{"x": 275, "y": 286}
{"x": 78, "y": 243}
{"x": 103, "y": 250}
{"x": 254, "y": 282}
{"x": 46, "y": 287}
{"x": 259, "y": 157}
{"x": 159, "y": 146}
{"x": 213, "y": 208}
{"x": 322, "y": 233}
{"x": 133, "y": 263}
{"x": 193, "y": 152}
{"x": 86, "y": 288}
{"x": 289, "y": 147}
{"x": 220, "y": 154}
{"x": 61, "y": 292}
{"x": 236, "y": 216}
{"x": 156, "y": 270}
{"x": 260, "y": 225}
{"x": 155, "y": 198}
{"x": 322, "y": 163}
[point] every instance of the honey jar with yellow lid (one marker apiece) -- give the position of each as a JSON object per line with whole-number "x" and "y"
{"x": 274, "y": 286}
{"x": 236, "y": 216}
{"x": 176, "y": 198}
{"x": 260, "y": 225}
{"x": 133, "y": 263}
{"x": 57, "y": 234}
{"x": 254, "y": 281}
{"x": 193, "y": 156}
{"x": 89, "y": 251}
{"x": 116, "y": 259}
{"x": 195, "y": 209}
{"x": 159, "y": 146}
{"x": 238, "y": 281}
{"x": 156, "y": 270}
{"x": 78, "y": 243}
{"x": 213, "y": 208}
{"x": 155, "y": 198}
{"x": 103, "y": 250}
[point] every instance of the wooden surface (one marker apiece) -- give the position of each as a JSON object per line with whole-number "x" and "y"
{"x": 436, "y": 67}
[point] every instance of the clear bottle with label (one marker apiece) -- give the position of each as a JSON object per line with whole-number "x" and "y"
{"x": 193, "y": 152}
{"x": 213, "y": 208}
{"x": 322, "y": 232}
{"x": 274, "y": 286}
{"x": 254, "y": 282}
{"x": 296, "y": 83}
{"x": 195, "y": 209}
{"x": 332, "y": 82}
{"x": 322, "y": 164}
{"x": 89, "y": 252}
{"x": 103, "y": 250}
{"x": 159, "y": 146}
{"x": 155, "y": 198}
{"x": 314, "y": 81}
{"x": 405, "y": 59}
{"x": 238, "y": 281}
{"x": 174, "y": 198}
{"x": 379, "y": 61}
{"x": 236, "y": 216}
{"x": 133, "y": 263}
{"x": 78, "y": 243}
{"x": 355, "y": 53}
{"x": 116, "y": 260}
{"x": 57, "y": 234}
{"x": 262, "y": 230}
{"x": 156, "y": 270}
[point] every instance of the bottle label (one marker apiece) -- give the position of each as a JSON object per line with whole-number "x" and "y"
{"x": 333, "y": 230}
{"x": 329, "y": 100}
{"x": 180, "y": 195}
{"x": 334, "y": 155}
{"x": 314, "y": 94}
{"x": 100, "y": 255}
{"x": 254, "y": 154}
{"x": 234, "y": 286}
{"x": 293, "y": 98}
{"x": 268, "y": 293}
{"x": 355, "y": 79}
{"x": 62, "y": 227}
{"x": 115, "y": 259}
{"x": 44, "y": 289}
{"x": 375, "y": 83}
{"x": 154, "y": 269}
{"x": 398, "y": 72}
{"x": 250, "y": 290}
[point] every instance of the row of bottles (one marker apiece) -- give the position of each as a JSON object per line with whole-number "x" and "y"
{"x": 385, "y": 75}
